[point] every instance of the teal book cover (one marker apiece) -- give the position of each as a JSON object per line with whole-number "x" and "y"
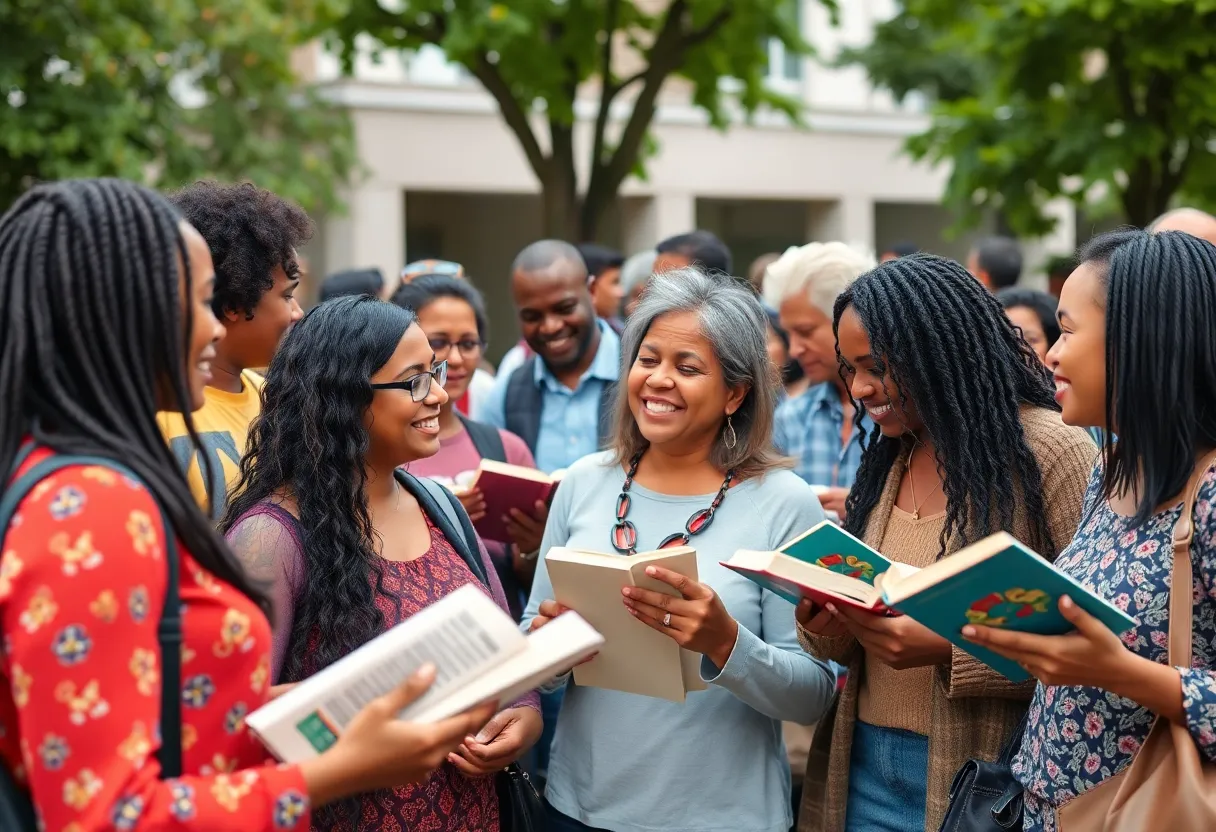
{"x": 831, "y": 547}
{"x": 1012, "y": 588}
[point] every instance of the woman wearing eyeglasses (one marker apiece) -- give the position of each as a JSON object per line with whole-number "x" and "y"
{"x": 322, "y": 513}
{"x": 452, "y": 314}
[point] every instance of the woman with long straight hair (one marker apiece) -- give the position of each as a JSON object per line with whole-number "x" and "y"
{"x": 967, "y": 441}
{"x": 1137, "y": 358}
{"x": 105, "y": 318}
{"x": 346, "y": 540}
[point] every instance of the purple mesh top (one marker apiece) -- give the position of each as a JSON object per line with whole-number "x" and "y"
{"x": 268, "y": 541}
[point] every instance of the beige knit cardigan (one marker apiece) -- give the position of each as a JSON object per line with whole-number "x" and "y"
{"x": 975, "y": 709}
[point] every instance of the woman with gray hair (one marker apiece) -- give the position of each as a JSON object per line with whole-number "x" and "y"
{"x": 634, "y": 275}
{"x": 692, "y": 463}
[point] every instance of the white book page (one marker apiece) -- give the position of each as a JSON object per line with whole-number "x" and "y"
{"x": 553, "y": 649}
{"x": 463, "y": 634}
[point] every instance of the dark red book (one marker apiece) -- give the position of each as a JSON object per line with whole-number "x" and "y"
{"x": 506, "y": 487}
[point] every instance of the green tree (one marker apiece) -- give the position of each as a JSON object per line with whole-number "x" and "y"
{"x": 1095, "y": 100}
{"x": 166, "y": 92}
{"x": 535, "y": 57}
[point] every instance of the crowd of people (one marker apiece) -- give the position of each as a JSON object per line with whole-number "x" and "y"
{"x": 185, "y": 446}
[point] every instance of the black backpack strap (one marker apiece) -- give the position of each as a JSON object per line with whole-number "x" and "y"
{"x": 445, "y": 511}
{"x": 523, "y": 402}
{"x": 486, "y": 439}
{"x": 168, "y": 631}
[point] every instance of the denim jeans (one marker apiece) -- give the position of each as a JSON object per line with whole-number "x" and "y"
{"x": 562, "y": 823}
{"x": 887, "y": 780}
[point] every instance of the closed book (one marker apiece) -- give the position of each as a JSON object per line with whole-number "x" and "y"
{"x": 505, "y": 487}
{"x": 478, "y": 652}
{"x": 825, "y": 564}
{"x": 995, "y": 582}
{"x": 635, "y": 658}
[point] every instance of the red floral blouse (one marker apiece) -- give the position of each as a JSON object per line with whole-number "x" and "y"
{"x": 82, "y": 584}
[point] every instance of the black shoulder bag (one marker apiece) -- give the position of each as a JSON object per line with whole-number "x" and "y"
{"x": 985, "y": 797}
{"x": 16, "y": 803}
{"x": 519, "y": 806}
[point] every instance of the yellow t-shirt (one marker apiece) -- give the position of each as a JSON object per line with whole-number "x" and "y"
{"x": 223, "y": 428}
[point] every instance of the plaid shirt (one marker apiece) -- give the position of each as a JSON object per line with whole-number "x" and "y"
{"x": 808, "y": 428}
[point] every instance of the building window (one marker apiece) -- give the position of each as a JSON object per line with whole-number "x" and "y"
{"x": 784, "y": 65}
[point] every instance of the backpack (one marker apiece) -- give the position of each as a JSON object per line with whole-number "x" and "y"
{"x": 17, "y": 812}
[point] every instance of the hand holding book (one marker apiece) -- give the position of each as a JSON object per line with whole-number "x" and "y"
{"x": 898, "y": 641}
{"x": 697, "y": 620}
{"x": 379, "y": 750}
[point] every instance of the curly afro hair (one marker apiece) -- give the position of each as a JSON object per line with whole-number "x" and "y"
{"x": 250, "y": 231}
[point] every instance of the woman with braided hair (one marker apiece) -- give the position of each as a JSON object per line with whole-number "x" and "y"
{"x": 106, "y": 318}
{"x": 967, "y": 441}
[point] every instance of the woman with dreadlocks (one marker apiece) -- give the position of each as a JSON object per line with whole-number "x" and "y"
{"x": 968, "y": 441}
{"x": 105, "y": 318}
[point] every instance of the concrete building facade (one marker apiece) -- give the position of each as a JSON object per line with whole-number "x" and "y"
{"x": 446, "y": 178}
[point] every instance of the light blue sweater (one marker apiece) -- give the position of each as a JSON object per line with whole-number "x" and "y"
{"x": 715, "y": 763}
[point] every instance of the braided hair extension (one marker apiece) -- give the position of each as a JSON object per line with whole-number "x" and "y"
{"x": 311, "y": 442}
{"x": 950, "y": 349}
{"x": 91, "y": 328}
{"x": 1160, "y": 360}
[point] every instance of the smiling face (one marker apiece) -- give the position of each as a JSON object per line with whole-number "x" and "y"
{"x": 812, "y": 344}
{"x": 677, "y": 392}
{"x": 870, "y": 382}
{"x": 206, "y": 331}
{"x": 451, "y": 321}
{"x": 556, "y": 316}
{"x": 400, "y": 429}
{"x": 1078, "y": 358}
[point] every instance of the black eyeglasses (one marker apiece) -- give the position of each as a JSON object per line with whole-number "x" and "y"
{"x": 468, "y": 348}
{"x": 419, "y": 385}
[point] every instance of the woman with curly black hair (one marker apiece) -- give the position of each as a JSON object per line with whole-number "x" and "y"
{"x": 967, "y": 441}
{"x": 253, "y": 236}
{"x": 350, "y": 545}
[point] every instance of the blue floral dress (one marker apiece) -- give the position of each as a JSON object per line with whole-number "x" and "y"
{"x": 1078, "y": 737}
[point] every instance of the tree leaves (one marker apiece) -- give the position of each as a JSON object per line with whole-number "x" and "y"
{"x": 167, "y": 92}
{"x": 1037, "y": 99}
{"x": 538, "y": 57}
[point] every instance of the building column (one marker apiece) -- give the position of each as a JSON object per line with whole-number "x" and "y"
{"x": 849, "y": 219}
{"x": 646, "y": 221}
{"x": 372, "y": 232}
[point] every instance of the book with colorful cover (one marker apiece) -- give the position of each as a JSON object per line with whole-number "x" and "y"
{"x": 505, "y": 487}
{"x": 995, "y": 582}
{"x": 825, "y": 564}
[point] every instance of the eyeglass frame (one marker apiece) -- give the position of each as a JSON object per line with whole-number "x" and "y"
{"x": 437, "y": 375}
{"x": 444, "y": 346}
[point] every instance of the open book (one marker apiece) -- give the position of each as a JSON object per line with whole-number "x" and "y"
{"x": 478, "y": 652}
{"x": 824, "y": 564}
{"x": 505, "y": 487}
{"x": 635, "y": 658}
{"x": 996, "y": 582}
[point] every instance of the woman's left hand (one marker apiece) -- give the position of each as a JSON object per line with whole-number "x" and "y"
{"x": 505, "y": 739}
{"x": 696, "y": 621}
{"x": 897, "y": 641}
{"x": 1090, "y": 656}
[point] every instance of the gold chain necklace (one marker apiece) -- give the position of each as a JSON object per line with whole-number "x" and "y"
{"x": 912, "y": 487}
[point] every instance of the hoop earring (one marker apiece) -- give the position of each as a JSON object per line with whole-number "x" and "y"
{"x": 729, "y": 438}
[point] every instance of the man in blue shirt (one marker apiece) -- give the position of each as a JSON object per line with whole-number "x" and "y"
{"x": 817, "y": 428}
{"x": 559, "y": 401}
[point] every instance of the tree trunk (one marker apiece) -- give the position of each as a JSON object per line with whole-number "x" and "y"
{"x": 594, "y": 208}
{"x": 560, "y": 209}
